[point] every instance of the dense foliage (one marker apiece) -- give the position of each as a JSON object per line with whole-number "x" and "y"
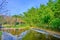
{"x": 44, "y": 16}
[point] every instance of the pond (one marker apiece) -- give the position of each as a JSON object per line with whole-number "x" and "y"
{"x": 33, "y": 35}
{"x": 27, "y": 35}
{"x": 9, "y": 36}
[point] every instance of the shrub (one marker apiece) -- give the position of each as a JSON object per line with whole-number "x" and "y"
{"x": 55, "y": 24}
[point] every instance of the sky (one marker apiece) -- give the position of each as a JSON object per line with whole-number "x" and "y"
{"x": 16, "y": 7}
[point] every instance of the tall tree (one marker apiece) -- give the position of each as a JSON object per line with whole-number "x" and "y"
{"x": 3, "y": 6}
{"x": 2, "y": 9}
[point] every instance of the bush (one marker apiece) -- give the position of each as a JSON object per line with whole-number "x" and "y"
{"x": 5, "y": 23}
{"x": 55, "y": 24}
{"x": 17, "y": 23}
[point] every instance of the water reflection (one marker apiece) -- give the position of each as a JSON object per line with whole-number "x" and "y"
{"x": 22, "y": 35}
{"x": 33, "y": 35}
{"x": 8, "y": 36}
{"x": 28, "y": 35}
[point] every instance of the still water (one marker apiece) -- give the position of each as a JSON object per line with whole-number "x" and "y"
{"x": 9, "y": 36}
{"x": 29, "y": 35}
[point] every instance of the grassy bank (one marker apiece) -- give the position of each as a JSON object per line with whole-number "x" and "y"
{"x": 15, "y": 26}
{"x": 0, "y": 33}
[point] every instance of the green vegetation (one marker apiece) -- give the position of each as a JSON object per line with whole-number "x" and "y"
{"x": 46, "y": 16}
{"x": 0, "y": 33}
{"x": 55, "y": 24}
{"x": 32, "y": 35}
{"x": 16, "y": 26}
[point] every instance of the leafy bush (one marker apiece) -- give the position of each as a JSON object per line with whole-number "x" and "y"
{"x": 55, "y": 24}
{"x": 17, "y": 23}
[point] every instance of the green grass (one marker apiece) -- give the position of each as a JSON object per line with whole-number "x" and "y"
{"x": 16, "y": 26}
{"x": 0, "y": 33}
